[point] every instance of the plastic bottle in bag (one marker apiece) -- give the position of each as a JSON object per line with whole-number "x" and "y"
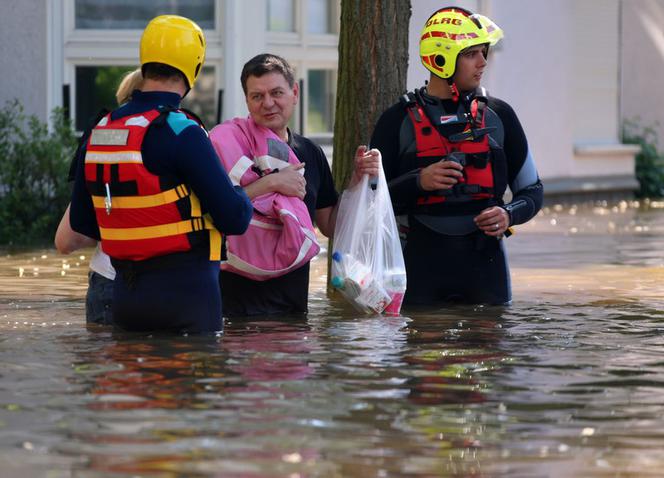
{"x": 358, "y": 284}
{"x": 353, "y": 276}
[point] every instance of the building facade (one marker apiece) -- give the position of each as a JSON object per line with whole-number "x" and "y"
{"x": 573, "y": 70}
{"x": 73, "y": 53}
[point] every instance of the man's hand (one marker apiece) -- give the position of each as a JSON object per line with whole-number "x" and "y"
{"x": 440, "y": 175}
{"x": 290, "y": 181}
{"x": 493, "y": 221}
{"x": 366, "y": 162}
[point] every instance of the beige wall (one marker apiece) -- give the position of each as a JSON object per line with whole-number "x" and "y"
{"x": 642, "y": 91}
{"x": 23, "y": 55}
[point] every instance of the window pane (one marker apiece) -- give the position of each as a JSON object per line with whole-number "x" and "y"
{"x": 281, "y": 15}
{"x": 321, "y": 17}
{"x": 322, "y": 89}
{"x": 96, "y": 86}
{"x": 135, "y": 14}
{"x": 202, "y": 100}
{"x": 95, "y": 89}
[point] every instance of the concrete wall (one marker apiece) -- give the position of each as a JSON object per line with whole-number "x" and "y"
{"x": 531, "y": 71}
{"x": 642, "y": 89}
{"x": 23, "y": 55}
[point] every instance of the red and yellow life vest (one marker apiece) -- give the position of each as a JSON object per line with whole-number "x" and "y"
{"x": 470, "y": 147}
{"x": 140, "y": 215}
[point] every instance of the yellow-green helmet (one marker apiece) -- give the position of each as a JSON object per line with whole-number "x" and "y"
{"x": 174, "y": 41}
{"x": 449, "y": 31}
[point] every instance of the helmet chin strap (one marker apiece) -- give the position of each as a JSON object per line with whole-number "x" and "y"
{"x": 453, "y": 88}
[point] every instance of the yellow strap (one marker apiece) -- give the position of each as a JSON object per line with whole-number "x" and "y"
{"x": 138, "y": 202}
{"x": 196, "y": 206}
{"x": 215, "y": 238}
{"x": 215, "y": 245}
{"x": 164, "y": 230}
{"x": 152, "y": 232}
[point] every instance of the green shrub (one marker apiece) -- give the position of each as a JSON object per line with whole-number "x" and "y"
{"x": 34, "y": 163}
{"x": 649, "y": 162}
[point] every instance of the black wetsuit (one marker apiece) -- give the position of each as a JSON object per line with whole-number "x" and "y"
{"x": 447, "y": 258}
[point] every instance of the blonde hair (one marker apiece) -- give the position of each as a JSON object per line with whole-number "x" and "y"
{"x": 130, "y": 82}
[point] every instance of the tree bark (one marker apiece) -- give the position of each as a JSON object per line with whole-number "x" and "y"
{"x": 373, "y": 63}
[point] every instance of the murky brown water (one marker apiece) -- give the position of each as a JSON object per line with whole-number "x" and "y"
{"x": 569, "y": 381}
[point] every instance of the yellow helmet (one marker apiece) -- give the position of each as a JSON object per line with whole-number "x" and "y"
{"x": 174, "y": 41}
{"x": 449, "y": 31}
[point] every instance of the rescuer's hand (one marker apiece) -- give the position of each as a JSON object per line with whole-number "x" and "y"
{"x": 493, "y": 221}
{"x": 440, "y": 175}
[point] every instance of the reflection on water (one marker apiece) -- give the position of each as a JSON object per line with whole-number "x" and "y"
{"x": 569, "y": 381}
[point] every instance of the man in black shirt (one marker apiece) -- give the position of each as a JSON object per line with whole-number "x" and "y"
{"x": 271, "y": 94}
{"x": 449, "y": 153}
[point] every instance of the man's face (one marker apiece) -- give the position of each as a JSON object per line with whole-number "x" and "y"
{"x": 470, "y": 67}
{"x": 271, "y": 101}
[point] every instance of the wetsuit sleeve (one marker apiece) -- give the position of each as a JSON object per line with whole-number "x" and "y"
{"x": 82, "y": 213}
{"x": 522, "y": 177}
{"x": 198, "y": 165}
{"x": 403, "y": 186}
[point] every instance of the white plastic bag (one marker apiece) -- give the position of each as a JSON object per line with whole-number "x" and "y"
{"x": 367, "y": 262}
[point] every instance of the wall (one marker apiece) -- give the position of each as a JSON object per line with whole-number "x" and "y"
{"x": 23, "y": 55}
{"x": 530, "y": 70}
{"x": 643, "y": 63}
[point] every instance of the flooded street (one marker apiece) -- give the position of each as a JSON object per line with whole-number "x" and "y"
{"x": 567, "y": 382}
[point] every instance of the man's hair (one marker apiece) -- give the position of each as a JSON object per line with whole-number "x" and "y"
{"x": 266, "y": 63}
{"x": 160, "y": 71}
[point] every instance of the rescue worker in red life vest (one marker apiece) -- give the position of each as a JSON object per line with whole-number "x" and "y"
{"x": 449, "y": 153}
{"x": 152, "y": 190}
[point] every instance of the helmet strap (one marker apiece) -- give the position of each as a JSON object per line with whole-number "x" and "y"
{"x": 453, "y": 89}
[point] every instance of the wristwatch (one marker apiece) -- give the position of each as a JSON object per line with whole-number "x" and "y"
{"x": 513, "y": 206}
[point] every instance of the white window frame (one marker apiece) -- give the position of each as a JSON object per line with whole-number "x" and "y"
{"x": 107, "y": 47}
{"x": 304, "y": 96}
{"x": 307, "y": 51}
{"x": 301, "y": 35}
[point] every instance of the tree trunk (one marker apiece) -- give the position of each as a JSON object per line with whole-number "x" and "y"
{"x": 373, "y": 64}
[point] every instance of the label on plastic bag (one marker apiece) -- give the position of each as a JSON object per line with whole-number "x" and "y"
{"x": 374, "y": 297}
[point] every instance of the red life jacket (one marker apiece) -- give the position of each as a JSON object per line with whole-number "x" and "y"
{"x": 470, "y": 148}
{"x": 140, "y": 215}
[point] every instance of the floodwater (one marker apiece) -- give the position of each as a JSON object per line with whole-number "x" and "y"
{"x": 569, "y": 381}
